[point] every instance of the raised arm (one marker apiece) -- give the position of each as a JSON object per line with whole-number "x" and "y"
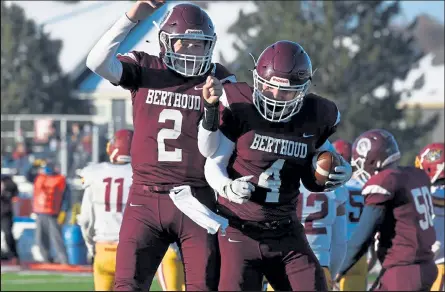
{"x": 102, "y": 58}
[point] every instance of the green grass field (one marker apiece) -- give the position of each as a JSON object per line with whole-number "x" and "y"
{"x": 32, "y": 281}
{"x": 42, "y": 281}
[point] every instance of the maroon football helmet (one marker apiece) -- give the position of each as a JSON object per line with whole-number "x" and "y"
{"x": 118, "y": 148}
{"x": 372, "y": 152}
{"x": 186, "y": 21}
{"x": 285, "y": 68}
{"x": 343, "y": 148}
{"x": 432, "y": 159}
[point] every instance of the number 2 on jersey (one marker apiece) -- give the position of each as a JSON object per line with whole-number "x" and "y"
{"x": 424, "y": 208}
{"x": 176, "y": 117}
{"x": 313, "y": 200}
{"x": 270, "y": 179}
{"x": 120, "y": 193}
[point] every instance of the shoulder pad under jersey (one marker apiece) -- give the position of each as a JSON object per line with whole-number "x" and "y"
{"x": 89, "y": 172}
{"x": 324, "y": 109}
{"x": 223, "y": 74}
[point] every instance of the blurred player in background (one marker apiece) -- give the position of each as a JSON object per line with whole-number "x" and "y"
{"x": 170, "y": 200}
{"x": 432, "y": 160}
{"x": 356, "y": 278}
{"x": 106, "y": 185}
{"x": 171, "y": 270}
{"x": 397, "y": 204}
{"x": 324, "y": 221}
{"x": 9, "y": 191}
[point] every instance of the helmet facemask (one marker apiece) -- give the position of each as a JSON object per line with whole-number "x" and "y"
{"x": 184, "y": 64}
{"x": 275, "y": 110}
{"x": 359, "y": 169}
{"x": 359, "y": 172}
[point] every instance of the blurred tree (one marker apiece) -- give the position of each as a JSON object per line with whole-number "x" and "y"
{"x": 358, "y": 56}
{"x": 31, "y": 78}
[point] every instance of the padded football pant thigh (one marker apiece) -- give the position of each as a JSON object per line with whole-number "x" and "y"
{"x": 327, "y": 274}
{"x": 141, "y": 245}
{"x": 356, "y": 278}
{"x": 200, "y": 256}
{"x": 418, "y": 277}
{"x": 240, "y": 262}
{"x": 439, "y": 284}
{"x": 290, "y": 265}
{"x": 104, "y": 267}
{"x": 171, "y": 271}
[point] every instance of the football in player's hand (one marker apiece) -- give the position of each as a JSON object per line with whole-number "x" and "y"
{"x": 324, "y": 163}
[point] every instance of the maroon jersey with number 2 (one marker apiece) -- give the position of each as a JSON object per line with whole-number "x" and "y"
{"x": 167, "y": 108}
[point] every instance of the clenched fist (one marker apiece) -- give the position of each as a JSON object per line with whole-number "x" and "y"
{"x": 212, "y": 90}
{"x": 143, "y": 9}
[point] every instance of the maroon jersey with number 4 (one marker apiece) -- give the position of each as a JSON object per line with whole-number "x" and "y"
{"x": 407, "y": 232}
{"x": 270, "y": 150}
{"x": 167, "y": 108}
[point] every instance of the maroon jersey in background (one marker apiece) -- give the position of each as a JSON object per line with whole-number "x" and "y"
{"x": 407, "y": 232}
{"x": 167, "y": 108}
{"x": 265, "y": 149}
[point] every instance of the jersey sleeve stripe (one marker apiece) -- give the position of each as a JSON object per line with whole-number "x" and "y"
{"x": 375, "y": 189}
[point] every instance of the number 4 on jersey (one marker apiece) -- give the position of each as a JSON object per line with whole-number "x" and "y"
{"x": 270, "y": 179}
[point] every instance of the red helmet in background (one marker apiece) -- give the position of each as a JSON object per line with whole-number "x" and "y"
{"x": 118, "y": 148}
{"x": 372, "y": 152}
{"x": 187, "y": 21}
{"x": 344, "y": 148}
{"x": 432, "y": 160}
{"x": 286, "y": 67}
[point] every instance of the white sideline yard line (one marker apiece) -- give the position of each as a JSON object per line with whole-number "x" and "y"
{"x": 44, "y": 281}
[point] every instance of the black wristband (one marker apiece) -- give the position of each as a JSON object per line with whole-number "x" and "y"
{"x": 210, "y": 120}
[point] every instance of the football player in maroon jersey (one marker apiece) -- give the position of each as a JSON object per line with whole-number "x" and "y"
{"x": 398, "y": 205}
{"x": 432, "y": 160}
{"x": 168, "y": 170}
{"x": 264, "y": 145}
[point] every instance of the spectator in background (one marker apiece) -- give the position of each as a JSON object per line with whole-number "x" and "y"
{"x": 34, "y": 170}
{"x": 74, "y": 150}
{"x": 9, "y": 190}
{"x": 51, "y": 202}
{"x": 53, "y": 145}
{"x": 21, "y": 158}
{"x": 86, "y": 149}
